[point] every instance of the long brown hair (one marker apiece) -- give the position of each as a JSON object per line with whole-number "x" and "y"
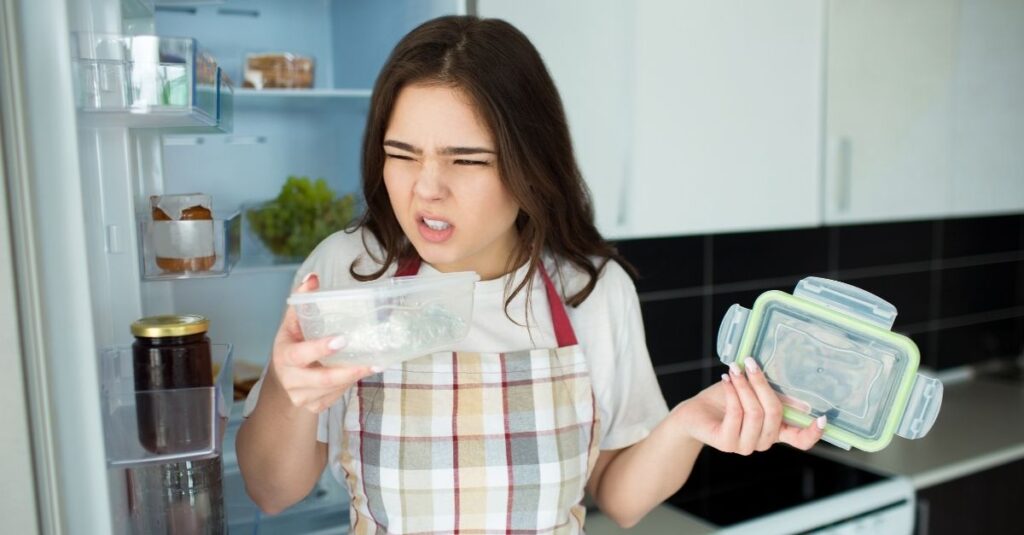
{"x": 502, "y": 73}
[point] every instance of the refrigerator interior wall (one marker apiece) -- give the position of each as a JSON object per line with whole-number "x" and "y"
{"x": 315, "y": 133}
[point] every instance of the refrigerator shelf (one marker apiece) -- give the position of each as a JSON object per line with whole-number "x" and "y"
{"x": 303, "y": 99}
{"x": 147, "y": 81}
{"x": 202, "y": 413}
{"x": 158, "y": 236}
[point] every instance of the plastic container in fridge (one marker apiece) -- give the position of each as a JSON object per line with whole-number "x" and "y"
{"x": 388, "y": 321}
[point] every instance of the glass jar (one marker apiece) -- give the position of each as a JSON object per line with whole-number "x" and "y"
{"x": 183, "y": 238}
{"x": 171, "y": 353}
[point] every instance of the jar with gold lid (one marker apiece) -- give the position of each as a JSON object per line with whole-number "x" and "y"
{"x": 171, "y": 353}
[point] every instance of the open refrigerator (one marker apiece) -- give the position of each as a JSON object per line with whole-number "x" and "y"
{"x": 106, "y": 103}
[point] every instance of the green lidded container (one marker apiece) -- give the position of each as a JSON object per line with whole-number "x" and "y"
{"x": 828, "y": 350}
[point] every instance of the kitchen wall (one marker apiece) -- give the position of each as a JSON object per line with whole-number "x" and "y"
{"x": 958, "y": 285}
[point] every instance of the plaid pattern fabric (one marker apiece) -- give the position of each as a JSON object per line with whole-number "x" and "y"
{"x": 472, "y": 443}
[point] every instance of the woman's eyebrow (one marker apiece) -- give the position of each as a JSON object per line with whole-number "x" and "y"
{"x": 447, "y": 151}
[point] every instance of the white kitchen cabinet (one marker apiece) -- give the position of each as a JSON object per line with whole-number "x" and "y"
{"x": 889, "y": 109}
{"x": 587, "y": 48}
{"x": 687, "y": 117}
{"x": 924, "y": 114}
{"x": 988, "y": 109}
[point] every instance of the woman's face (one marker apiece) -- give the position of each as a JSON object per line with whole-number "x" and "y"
{"x": 441, "y": 173}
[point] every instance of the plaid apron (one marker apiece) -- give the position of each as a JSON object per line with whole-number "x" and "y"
{"x": 473, "y": 443}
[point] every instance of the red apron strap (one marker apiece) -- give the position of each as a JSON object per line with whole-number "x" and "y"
{"x": 408, "y": 267}
{"x": 564, "y": 333}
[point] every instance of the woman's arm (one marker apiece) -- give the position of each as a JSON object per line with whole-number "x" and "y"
{"x": 278, "y": 451}
{"x": 740, "y": 414}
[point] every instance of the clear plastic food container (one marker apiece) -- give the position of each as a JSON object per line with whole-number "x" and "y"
{"x": 828, "y": 350}
{"x": 389, "y": 321}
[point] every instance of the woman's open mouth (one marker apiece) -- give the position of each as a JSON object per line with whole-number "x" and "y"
{"x": 434, "y": 229}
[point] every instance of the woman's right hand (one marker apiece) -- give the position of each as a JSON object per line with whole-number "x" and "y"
{"x": 295, "y": 362}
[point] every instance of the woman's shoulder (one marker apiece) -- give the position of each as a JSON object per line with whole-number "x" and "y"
{"x": 614, "y": 283}
{"x": 332, "y": 257}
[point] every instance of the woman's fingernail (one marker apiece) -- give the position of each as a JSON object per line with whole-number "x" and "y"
{"x": 337, "y": 342}
{"x": 306, "y": 278}
{"x": 751, "y": 365}
{"x": 821, "y": 420}
{"x": 725, "y": 377}
{"x": 734, "y": 369}
{"x": 376, "y": 369}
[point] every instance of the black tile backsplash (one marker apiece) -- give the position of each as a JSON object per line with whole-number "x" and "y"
{"x": 982, "y": 235}
{"x": 968, "y": 344}
{"x": 680, "y": 386}
{"x": 862, "y": 246}
{"x": 910, "y": 293}
{"x": 666, "y": 263}
{"x": 958, "y": 285}
{"x": 977, "y": 289}
{"x": 765, "y": 255}
{"x": 674, "y": 329}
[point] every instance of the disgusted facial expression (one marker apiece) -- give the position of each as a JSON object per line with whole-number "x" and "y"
{"x": 441, "y": 173}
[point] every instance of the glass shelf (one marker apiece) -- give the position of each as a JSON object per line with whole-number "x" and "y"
{"x": 147, "y": 81}
{"x": 302, "y": 98}
{"x": 176, "y": 236}
{"x": 200, "y": 414}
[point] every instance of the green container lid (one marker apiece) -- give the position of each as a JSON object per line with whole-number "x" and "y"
{"x": 828, "y": 350}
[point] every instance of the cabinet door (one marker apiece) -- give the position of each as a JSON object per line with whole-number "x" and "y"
{"x": 587, "y": 48}
{"x": 889, "y": 111}
{"x": 985, "y": 502}
{"x": 727, "y": 115}
{"x": 988, "y": 109}
{"x": 687, "y": 116}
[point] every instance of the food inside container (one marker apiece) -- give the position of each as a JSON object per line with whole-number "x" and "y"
{"x": 182, "y": 232}
{"x": 278, "y": 70}
{"x": 389, "y": 321}
{"x": 828, "y": 350}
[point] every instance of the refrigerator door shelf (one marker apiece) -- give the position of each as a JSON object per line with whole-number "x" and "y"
{"x": 146, "y": 81}
{"x": 217, "y": 238}
{"x": 203, "y": 411}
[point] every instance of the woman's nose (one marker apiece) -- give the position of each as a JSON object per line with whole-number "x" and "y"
{"x": 430, "y": 182}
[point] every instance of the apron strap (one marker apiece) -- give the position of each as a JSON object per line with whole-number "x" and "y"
{"x": 564, "y": 333}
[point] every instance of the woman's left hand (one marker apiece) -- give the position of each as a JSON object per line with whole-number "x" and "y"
{"x": 743, "y": 414}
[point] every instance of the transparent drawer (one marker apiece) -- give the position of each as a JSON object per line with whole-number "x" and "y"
{"x": 189, "y": 421}
{"x": 174, "y": 250}
{"x": 146, "y": 81}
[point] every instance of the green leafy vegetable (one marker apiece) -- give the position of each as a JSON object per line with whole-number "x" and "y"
{"x": 302, "y": 215}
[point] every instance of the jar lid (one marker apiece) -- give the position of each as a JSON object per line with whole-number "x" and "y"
{"x": 170, "y": 325}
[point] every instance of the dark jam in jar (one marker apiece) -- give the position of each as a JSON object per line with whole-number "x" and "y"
{"x": 171, "y": 361}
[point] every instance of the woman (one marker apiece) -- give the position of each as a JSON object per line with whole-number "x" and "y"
{"x": 468, "y": 166}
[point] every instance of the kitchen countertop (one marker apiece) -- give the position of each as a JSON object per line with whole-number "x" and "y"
{"x": 980, "y": 426}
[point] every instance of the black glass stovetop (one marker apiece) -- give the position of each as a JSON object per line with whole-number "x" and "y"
{"x": 726, "y": 489}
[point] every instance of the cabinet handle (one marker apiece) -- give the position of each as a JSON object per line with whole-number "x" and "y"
{"x": 923, "y": 511}
{"x": 622, "y": 213}
{"x": 844, "y": 155}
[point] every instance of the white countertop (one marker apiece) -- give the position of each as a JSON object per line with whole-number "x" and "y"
{"x": 980, "y": 426}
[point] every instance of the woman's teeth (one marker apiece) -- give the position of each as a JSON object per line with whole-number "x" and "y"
{"x": 436, "y": 225}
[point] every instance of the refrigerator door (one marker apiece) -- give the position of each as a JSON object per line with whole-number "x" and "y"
{"x": 49, "y": 212}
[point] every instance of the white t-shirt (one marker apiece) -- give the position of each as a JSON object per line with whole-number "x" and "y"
{"x": 608, "y": 328}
